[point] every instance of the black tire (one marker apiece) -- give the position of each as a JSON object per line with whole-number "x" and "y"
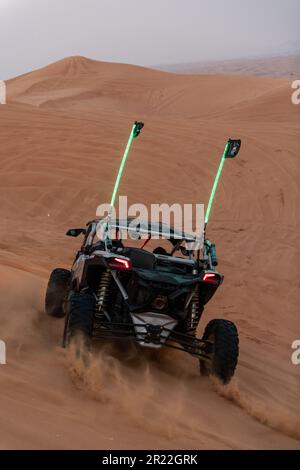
{"x": 80, "y": 318}
{"x": 225, "y": 350}
{"x": 57, "y": 291}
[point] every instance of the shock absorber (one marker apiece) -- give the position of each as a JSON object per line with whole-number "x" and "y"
{"x": 103, "y": 292}
{"x": 194, "y": 313}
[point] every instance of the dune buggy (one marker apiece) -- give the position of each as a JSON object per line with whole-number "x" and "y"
{"x": 148, "y": 283}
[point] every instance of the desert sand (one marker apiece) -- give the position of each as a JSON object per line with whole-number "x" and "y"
{"x": 62, "y": 134}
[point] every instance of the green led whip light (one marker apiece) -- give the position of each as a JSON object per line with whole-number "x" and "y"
{"x": 135, "y": 131}
{"x": 231, "y": 150}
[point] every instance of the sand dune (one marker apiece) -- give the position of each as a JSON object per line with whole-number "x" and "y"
{"x": 62, "y": 134}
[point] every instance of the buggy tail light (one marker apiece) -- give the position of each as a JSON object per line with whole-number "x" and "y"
{"x": 212, "y": 278}
{"x": 119, "y": 263}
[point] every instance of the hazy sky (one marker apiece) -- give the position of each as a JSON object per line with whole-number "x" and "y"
{"x": 36, "y": 32}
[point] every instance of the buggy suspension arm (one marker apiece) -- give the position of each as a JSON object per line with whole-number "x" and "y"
{"x": 194, "y": 346}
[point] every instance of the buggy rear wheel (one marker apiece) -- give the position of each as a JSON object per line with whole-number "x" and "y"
{"x": 56, "y": 293}
{"x": 80, "y": 317}
{"x": 223, "y": 357}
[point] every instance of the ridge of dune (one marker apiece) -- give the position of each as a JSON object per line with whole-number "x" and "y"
{"x": 62, "y": 134}
{"x": 77, "y": 65}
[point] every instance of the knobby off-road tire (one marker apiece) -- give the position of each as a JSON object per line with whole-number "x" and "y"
{"x": 80, "y": 317}
{"x": 57, "y": 291}
{"x": 225, "y": 350}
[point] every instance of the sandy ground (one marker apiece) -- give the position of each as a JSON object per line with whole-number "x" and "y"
{"x": 62, "y": 134}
